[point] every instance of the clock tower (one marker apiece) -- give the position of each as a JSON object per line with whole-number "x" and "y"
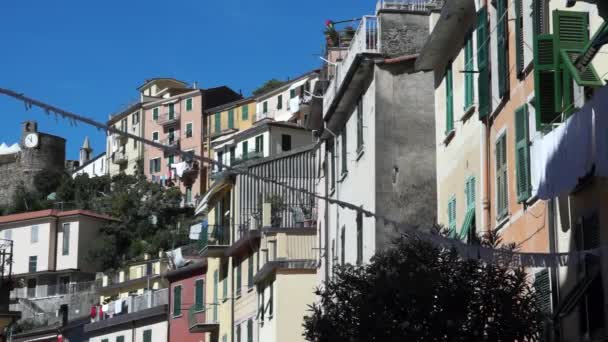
{"x": 29, "y": 137}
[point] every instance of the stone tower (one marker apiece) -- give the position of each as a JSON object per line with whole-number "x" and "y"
{"x": 85, "y": 152}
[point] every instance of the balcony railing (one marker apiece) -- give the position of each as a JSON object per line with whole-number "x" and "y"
{"x": 119, "y": 157}
{"x": 56, "y": 290}
{"x": 214, "y": 235}
{"x": 133, "y": 304}
{"x": 283, "y": 216}
{"x": 250, "y": 155}
{"x": 172, "y": 141}
{"x": 166, "y": 119}
{"x": 409, "y": 5}
{"x": 365, "y": 40}
{"x": 203, "y": 319}
{"x": 121, "y": 138}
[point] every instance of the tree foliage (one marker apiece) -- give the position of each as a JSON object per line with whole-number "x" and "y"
{"x": 415, "y": 291}
{"x": 267, "y": 86}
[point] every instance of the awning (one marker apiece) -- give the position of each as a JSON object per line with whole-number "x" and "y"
{"x": 457, "y": 18}
{"x": 217, "y": 189}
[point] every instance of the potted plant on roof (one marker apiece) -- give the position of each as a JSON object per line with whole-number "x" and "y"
{"x": 331, "y": 35}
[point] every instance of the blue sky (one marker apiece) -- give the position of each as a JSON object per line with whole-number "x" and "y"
{"x": 89, "y": 56}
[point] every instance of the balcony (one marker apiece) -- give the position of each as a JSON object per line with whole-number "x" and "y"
{"x": 121, "y": 138}
{"x": 214, "y": 240}
{"x": 365, "y": 40}
{"x": 168, "y": 119}
{"x": 171, "y": 140}
{"x": 120, "y": 158}
{"x": 200, "y": 320}
{"x": 250, "y": 156}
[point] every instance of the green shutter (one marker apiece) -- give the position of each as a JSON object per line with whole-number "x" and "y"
{"x": 467, "y": 225}
{"x": 544, "y": 80}
{"x": 147, "y": 335}
{"x": 538, "y": 16}
{"x": 231, "y": 118}
{"x": 218, "y": 122}
{"x": 238, "y": 278}
{"x": 245, "y": 112}
{"x": 502, "y": 37}
{"x": 199, "y": 291}
{"x": 522, "y": 154}
{"x": 280, "y": 102}
{"x": 265, "y": 107}
{"x": 542, "y": 289}
{"x": 120, "y": 339}
{"x": 483, "y": 78}
{"x": 225, "y": 286}
{"x": 177, "y": 301}
{"x": 245, "y": 149}
{"x": 501, "y": 177}
{"x": 469, "y": 88}
{"x": 519, "y": 38}
{"x": 250, "y": 271}
{"x": 470, "y": 192}
{"x": 452, "y": 215}
{"x": 449, "y": 100}
{"x": 155, "y": 114}
{"x": 188, "y": 104}
{"x": 171, "y": 111}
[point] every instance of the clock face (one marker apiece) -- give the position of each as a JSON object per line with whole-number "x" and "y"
{"x": 31, "y": 140}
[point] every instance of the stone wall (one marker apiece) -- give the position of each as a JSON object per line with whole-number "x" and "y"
{"x": 403, "y": 32}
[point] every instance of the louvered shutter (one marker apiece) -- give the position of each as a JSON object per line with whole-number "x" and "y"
{"x": 519, "y": 37}
{"x": 502, "y": 35}
{"x": 522, "y": 154}
{"x": 449, "y": 100}
{"x": 544, "y": 79}
{"x": 469, "y": 88}
{"x": 538, "y": 15}
{"x": 452, "y": 215}
{"x": 542, "y": 288}
{"x": 501, "y": 177}
{"x": 483, "y": 78}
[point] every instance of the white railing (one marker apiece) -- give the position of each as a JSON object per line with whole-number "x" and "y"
{"x": 410, "y": 5}
{"x": 132, "y": 304}
{"x": 365, "y": 40}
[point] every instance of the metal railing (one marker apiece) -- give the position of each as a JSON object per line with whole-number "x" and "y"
{"x": 202, "y": 314}
{"x": 409, "y": 5}
{"x": 214, "y": 235}
{"x": 365, "y": 40}
{"x": 168, "y": 118}
{"x": 171, "y": 140}
{"x": 56, "y": 290}
{"x": 285, "y": 216}
{"x": 133, "y": 304}
{"x": 249, "y": 156}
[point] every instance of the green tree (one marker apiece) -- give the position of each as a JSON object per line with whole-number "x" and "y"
{"x": 415, "y": 291}
{"x": 268, "y": 86}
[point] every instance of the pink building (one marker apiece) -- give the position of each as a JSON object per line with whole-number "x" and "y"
{"x": 173, "y": 115}
{"x": 187, "y": 301}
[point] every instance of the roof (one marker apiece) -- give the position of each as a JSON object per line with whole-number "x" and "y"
{"x": 196, "y": 268}
{"x": 261, "y": 127}
{"x": 218, "y": 96}
{"x": 86, "y": 144}
{"x": 229, "y": 105}
{"x": 155, "y": 79}
{"x": 287, "y": 84}
{"x": 52, "y": 213}
{"x": 130, "y": 109}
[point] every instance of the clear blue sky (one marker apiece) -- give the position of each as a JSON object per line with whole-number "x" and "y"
{"x": 89, "y": 56}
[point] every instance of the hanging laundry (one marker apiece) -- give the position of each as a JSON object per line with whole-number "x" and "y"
{"x": 179, "y": 168}
{"x": 117, "y": 306}
{"x": 294, "y": 104}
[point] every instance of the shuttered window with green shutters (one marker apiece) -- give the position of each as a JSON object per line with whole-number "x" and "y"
{"x": 120, "y": 339}
{"x": 470, "y": 192}
{"x": 250, "y": 330}
{"x": 231, "y": 118}
{"x": 483, "y": 78}
{"x": 519, "y": 38}
{"x": 522, "y": 154}
{"x": 542, "y": 289}
{"x": 452, "y": 215}
{"x": 189, "y": 104}
{"x": 199, "y": 294}
{"x": 469, "y": 88}
{"x": 538, "y": 17}
{"x": 544, "y": 79}
{"x": 449, "y": 100}
{"x": 469, "y": 220}
{"x": 238, "y": 277}
{"x": 250, "y": 271}
{"x": 245, "y": 112}
{"x": 503, "y": 52}
{"x": 171, "y": 111}
{"x": 502, "y": 193}
{"x": 218, "y": 122}
{"x": 155, "y": 114}
{"x": 148, "y": 335}
{"x": 177, "y": 300}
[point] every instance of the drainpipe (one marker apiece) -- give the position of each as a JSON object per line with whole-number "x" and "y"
{"x": 326, "y": 214}
{"x": 56, "y": 243}
{"x": 230, "y": 264}
{"x": 554, "y": 274}
{"x": 486, "y": 176}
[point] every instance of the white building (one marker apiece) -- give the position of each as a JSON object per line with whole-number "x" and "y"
{"x": 94, "y": 168}
{"x": 286, "y": 102}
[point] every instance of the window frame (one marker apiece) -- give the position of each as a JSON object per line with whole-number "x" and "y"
{"x": 199, "y": 300}
{"x": 449, "y": 99}
{"x": 188, "y": 104}
{"x": 34, "y": 234}
{"x": 177, "y": 307}
{"x": 189, "y": 129}
{"x": 32, "y": 260}
{"x": 501, "y": 212}
{"x": 65, "y": 247}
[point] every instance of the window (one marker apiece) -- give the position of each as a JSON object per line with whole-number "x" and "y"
{"x": 171, "y": 160}
{"x": 250, "y": 330}
{"x": 292, "y": 93}
{"x": 64, "y": 283}
{"x": 519, "y": 37}
{"x": 280, "y": 102}
{"x": 449, "y": 100}
{"x": 134, "y": 147}
{"x": 285, "y": 142}
{"x": 225, "y": 338}
{"x": 8, "y": 234}
{"x": 359, "y": 238}
{"x": 224, "y": 274}
{"x": 238, "y": 333}
{"x": 502, "y": 37}
{"x": 344, "y": 152}
{"x": 470, "y": 192}
{"x": 120, "y": 339}
{"x": 332, "y": 162}
{"x": 245, "y": 149}
{"x": 452, "y": 216}
{"x": 265, "y": 107}
{"x": 215, "y": 294}
{"x": 238, "y": 277}
{"x": 232, "y": 154}
{"x": 483, "y": 77}
{"x": 218, "y": 122}
{"x": 123, "y": 125}
{"x": 31, "y": 287}
{"x": 501, "y": 177}
{"x": 343, "y": 245}
{"x": 155, "y": 114}
{"x": 522, "y": 154}
{"x": 155, "y": 136}
{"x": 147, "y": 335}
{"x": 135, "y": 118}
{"x": 259, "y": 144}
{"x": 33, "y": 264}
{"x": 245, "y": 112}
{"x": 171, "y": 111}
{"x": 171, "y": 135}
{"x": 199, "y": 292}
{"x": 360, "y": 125}
{"x": 66, "y": 239}
{"x": 271, "y": 301}
{"x": 34, "y": 234}
{"x": 105, "y": 340}
{"x": 250, "y": 271}
{"x": 154, "y": 165}
{"x": 468, "y": 227}
{"x": 231, "y": 118}
{"x": 469, "y": 88}
{"x": 542, "y": 289}
{"x": 220, "y": 157}
{"x": 189, "y": 130}
{"x": 188, "y": 104}
{"x": 189, "y": 195}
{"x": 177, "y": 301}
